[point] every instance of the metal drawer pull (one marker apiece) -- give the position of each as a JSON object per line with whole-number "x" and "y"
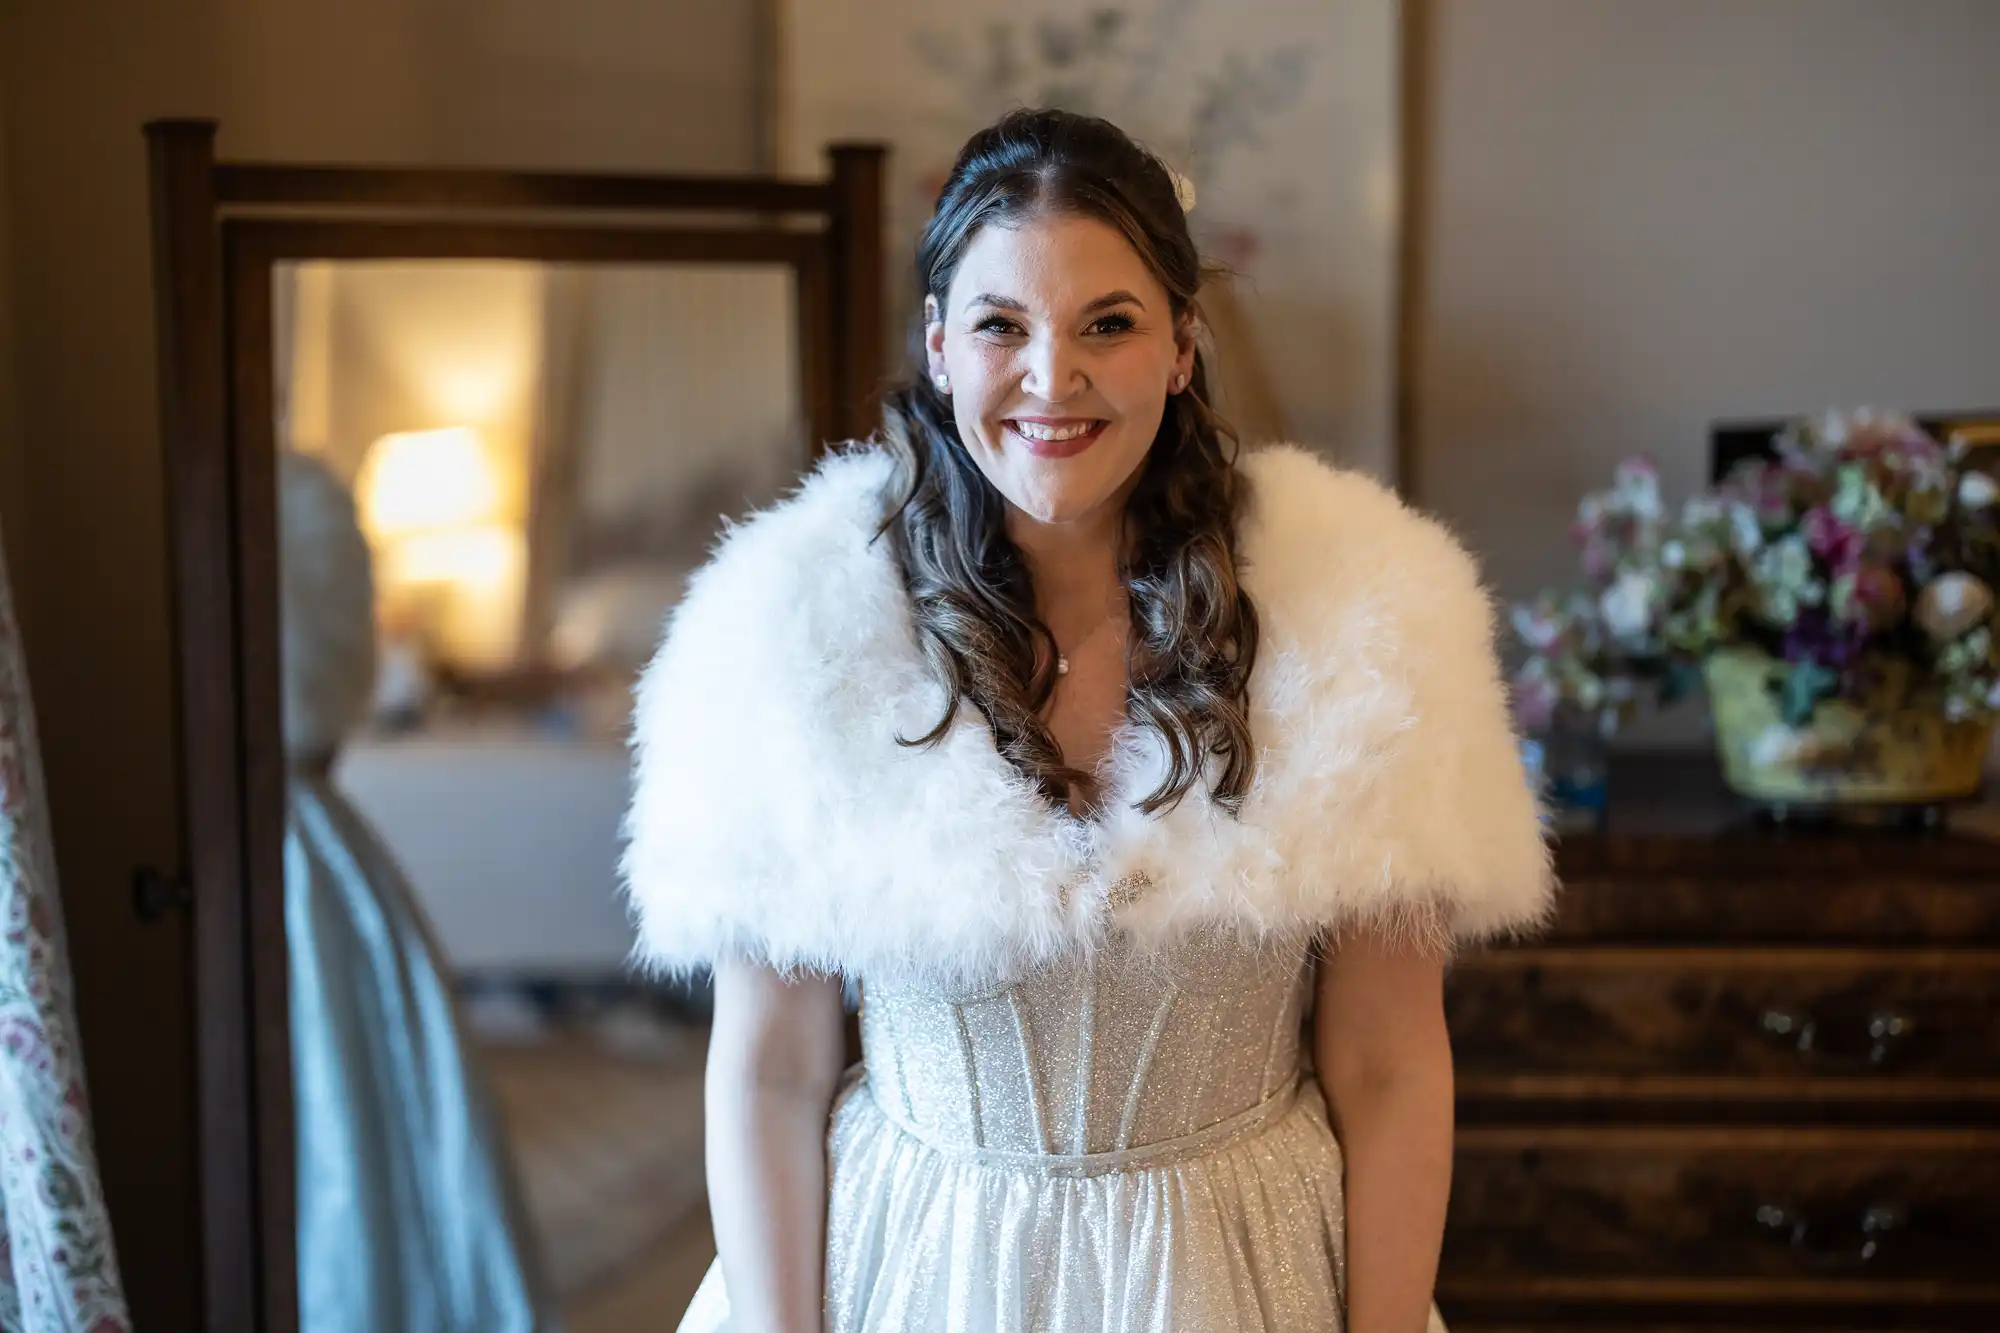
{"x": 1887, "y": 1033}
{"x": 1828, "y": 1246}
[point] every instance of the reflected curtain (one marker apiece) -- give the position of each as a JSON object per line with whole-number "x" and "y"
{"x": 58, "y": 1268}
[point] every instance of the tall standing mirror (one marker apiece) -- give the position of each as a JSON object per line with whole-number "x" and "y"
{"x": 445, "y": 447}
{"x": 534, "y": 456}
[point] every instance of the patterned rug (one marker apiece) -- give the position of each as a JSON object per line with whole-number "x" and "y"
{"x": 604, "y": 1119}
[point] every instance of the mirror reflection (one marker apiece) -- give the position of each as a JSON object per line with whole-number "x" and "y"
{"x": 495, "y": 478}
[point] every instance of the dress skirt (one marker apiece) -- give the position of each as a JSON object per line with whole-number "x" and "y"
{"x": 1237, "y": 1227}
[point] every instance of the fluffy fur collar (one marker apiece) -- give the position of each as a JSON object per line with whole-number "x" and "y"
{"x": 774, "y": 815}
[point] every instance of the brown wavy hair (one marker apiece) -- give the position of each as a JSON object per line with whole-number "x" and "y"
{"x": 1194, "y": 636}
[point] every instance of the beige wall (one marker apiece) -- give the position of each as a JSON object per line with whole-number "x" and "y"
{"x": 589, "y": 84}
{"x": 1645, "y": 214}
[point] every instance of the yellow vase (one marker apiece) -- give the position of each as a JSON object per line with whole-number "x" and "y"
{"x": 1876, "y": 751}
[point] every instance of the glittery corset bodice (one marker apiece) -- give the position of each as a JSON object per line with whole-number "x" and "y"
{"x": 1102, "y": 1056}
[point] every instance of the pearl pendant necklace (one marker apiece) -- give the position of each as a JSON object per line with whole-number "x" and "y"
{"x": 1062, "y": 658}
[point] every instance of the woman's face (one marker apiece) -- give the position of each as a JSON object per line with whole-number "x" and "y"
{"x": 1060, "y": 350}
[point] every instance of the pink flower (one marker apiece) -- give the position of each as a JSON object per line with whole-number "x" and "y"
{"x": 1838, "y": 544}
{"x": 1597, "y": 559}
{"x": 1535, "y": 698}
{"x": 1773, "y": 498}
{"x": 1869, "y": 597}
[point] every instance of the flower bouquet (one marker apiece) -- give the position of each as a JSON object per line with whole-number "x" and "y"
{"x": 1852, "y": 658}
{"x": 1836, "y": 598}
{"x": 1593, "y": 652}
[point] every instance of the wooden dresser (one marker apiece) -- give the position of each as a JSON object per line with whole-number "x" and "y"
{"x": 1750, "y": 1079}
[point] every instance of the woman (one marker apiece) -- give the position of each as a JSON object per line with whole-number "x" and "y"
{"x": 1099, "y": 757}
{"x": 409, "y": 1220}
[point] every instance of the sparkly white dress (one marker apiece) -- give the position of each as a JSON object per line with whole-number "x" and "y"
{"x": 1124, "y": 1143}
{"x": 1084, "y": 1107}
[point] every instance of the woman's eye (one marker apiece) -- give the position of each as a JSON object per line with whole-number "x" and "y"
{"x": 1114, "y": 324}
{"x": 997, "y": 325}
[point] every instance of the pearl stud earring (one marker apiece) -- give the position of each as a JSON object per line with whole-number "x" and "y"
{"x": 943, "y": 383}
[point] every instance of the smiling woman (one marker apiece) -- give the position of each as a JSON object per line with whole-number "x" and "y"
{"x": 1056, "y": 341}
{"x": 1236, "y": 746}
{"x": 1058, "y": 396}
{"x": 1070, "y": 507}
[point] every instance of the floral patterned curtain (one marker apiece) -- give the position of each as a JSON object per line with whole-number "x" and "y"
{"x": 58, "y": 1271}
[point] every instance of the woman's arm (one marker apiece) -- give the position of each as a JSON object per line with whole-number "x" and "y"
{"x": 774, "y": 1058}
{"x": 1384, "y": 1062}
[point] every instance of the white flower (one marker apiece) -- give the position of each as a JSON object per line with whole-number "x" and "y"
{"x": 1637, "y": 484}
{"x": 1746, "y": 534}
{"x": 1700, "y": 511}
{"x": 1951, "y": 604}
{"x": 1837, "y": 426}
{"x": 1183, "y": 190}
{"x": 1776, "y": 744}
{"x": 1627, "y": 606}
{"x": 1590, "y": 691}
{"x": 1976, "y": 490}
{"x": 1536, "y": 630}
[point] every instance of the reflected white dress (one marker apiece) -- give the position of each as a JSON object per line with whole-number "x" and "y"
{"x": 409, "y": 1217}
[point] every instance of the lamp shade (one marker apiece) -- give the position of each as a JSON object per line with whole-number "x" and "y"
{"x": 427, "y": 481}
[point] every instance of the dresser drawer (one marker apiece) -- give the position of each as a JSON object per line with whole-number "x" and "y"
{"x": 1798, "y": 1028}
{"x": 1725, "y": 1216}
{"x": 1672, "y": 905}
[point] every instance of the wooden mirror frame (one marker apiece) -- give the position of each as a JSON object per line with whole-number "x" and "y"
{"x": 219, "y": 229}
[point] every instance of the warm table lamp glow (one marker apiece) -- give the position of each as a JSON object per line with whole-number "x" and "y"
{"x": 422, "y": 481}
{"x": 446, "y": 553}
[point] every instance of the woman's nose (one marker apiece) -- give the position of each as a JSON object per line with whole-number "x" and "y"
{"x": 1053, "y": 372}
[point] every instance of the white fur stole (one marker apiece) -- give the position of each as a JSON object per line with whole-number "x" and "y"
{"x": 776, "y": 817}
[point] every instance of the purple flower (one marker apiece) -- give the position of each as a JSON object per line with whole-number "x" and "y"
{"x": 1535, "y": 699}
{"x": 1918, "y": 555}
{"x": 1818, "y": 638}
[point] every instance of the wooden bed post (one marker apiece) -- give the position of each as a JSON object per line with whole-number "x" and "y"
{"x": 857, "y": 242}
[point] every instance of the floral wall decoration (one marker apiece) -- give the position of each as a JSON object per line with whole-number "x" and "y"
{"x": 1282, "y": 116}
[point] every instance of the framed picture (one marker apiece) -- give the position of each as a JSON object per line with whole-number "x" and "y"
{"x": 1284, "y": 115}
